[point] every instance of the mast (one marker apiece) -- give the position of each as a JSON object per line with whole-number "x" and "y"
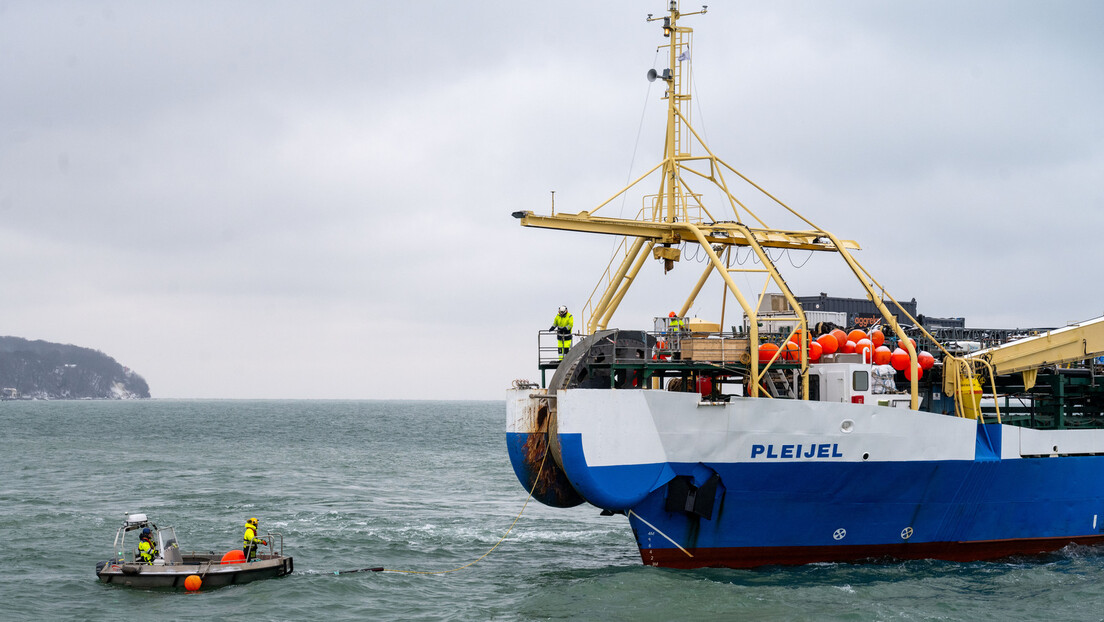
{"x": 677, "y": 79}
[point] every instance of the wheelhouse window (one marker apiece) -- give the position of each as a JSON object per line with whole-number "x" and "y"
{"x": 860, "y": 381}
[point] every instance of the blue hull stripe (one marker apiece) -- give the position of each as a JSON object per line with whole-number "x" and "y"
{"x": 826, "y": 510}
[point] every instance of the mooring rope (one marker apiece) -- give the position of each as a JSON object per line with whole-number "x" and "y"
{"x": 472, "y": 563}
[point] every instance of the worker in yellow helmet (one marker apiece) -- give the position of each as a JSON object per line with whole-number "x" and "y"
{"x": 250, "y": 540}
{"x": 147, "y": 550}
{"x": 563, "y": 323}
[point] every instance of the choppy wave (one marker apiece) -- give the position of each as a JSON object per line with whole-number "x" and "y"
{"x": 423, "y": 486}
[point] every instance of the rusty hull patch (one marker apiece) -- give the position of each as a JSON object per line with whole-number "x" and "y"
{"x": 553, "y": 487}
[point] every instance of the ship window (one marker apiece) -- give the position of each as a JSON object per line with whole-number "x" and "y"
{"x": 860, "y": 381}
{"x": 814, "y": 387}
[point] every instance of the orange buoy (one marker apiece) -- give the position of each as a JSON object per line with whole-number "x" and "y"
{"x": 877, "y": 338}
{"x": 882, "y": 355}
{"x": 857, "y": 335}
{"x": 899, "y": 359}
{"x": 902, "y": 344}
{"x": 841, "y": 337}
{"x": 864, "y": 347}
{"x": 766, "y": 351}
{"x": 815, "y": 350}
{"x": 848, "y": 347}
{"x": 193, "y": 583}
{"x": 796, "y": 337}
{"x": 919, "y": 371}
{"x": 926, "y": 360}
{"x": 791, "y": 351}
{"x": 236, "y": 556}
{"x": 828, "y": 344}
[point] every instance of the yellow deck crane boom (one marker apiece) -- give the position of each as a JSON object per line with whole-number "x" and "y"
{"x": 1075, "y": 342}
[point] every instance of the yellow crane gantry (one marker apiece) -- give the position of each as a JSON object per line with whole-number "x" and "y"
{"x": 676, "y": 214}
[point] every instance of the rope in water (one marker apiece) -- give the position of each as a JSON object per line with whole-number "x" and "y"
{"x": 472, "y": 563}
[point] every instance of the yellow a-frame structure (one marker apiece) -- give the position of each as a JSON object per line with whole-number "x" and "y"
{"x": 677, "y": 214}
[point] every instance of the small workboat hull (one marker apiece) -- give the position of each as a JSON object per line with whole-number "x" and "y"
{"x": 208, "y": 567}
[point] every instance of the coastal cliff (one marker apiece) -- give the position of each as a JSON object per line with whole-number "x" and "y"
{"x": 44, "y": 370}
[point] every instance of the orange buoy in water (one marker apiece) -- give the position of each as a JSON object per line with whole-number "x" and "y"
{"x": 766, "y": 351}
{"x": 882, "y": 355}
{"x": 877, "y": 338}
{"x": 815, "y": 350}
{"x": 193, "y": 583}
{"x": 926, "y": 360}
{"x": 865, "y": 348}
{"x": 857, "y": 335}
{"x": 828, "y": 344}
{"x": 848, "y": 347}
{"x": 791, "y": 351}
{"x": 236, "y": 556}
{"x": 899, "y": 359}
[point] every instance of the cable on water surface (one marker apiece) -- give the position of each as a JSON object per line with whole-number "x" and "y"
{"x": 472, "y": 563}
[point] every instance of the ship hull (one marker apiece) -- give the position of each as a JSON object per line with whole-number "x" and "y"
{"x": 756, "y": 482}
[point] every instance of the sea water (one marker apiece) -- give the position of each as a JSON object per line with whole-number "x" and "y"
{"x": 409, "y": 485}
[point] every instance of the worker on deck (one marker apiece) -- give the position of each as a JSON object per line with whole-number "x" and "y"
{"x": 250, "y": 540}
{"x": 562, "y": 324}
{"x": 147, "y": 550}
{"x": 675, "y": 325}
{"x": 674, "y": 322}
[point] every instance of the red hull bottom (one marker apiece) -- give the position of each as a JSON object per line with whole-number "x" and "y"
{"x": 751, "y": 557}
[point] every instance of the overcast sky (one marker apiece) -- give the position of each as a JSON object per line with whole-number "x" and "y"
{"x": 312, "y": 200}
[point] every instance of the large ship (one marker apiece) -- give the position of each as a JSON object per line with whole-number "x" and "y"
{"x": 786, "y": 440}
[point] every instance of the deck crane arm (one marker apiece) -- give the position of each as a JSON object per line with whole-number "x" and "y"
{"x": 1075, "y": 342}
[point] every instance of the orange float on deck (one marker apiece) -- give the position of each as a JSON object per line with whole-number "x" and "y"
{"x": 899, "y": 359}
{"x": 926, "y": 360}
{"x": 815, "y": 350}
{"x": 865, "y": 348}
{"x": 882, "y": 355}
{"x": 841, "y": 337}
{"x": 848, "y": 347}
{"x": 877, "y": 338}
{"x": 766, "y": 351}
{"x": 857, "y": 335}
{"x": 919, "y": 371}
{"x": 828, "y": 344}
{"x": 236, "y": 556}
{"x": 791, "y": 351}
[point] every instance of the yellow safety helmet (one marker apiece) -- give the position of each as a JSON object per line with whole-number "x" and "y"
{"x": 252, "y": 521}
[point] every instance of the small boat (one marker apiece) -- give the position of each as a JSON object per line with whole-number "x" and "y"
{"x": 173, "y": 568}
